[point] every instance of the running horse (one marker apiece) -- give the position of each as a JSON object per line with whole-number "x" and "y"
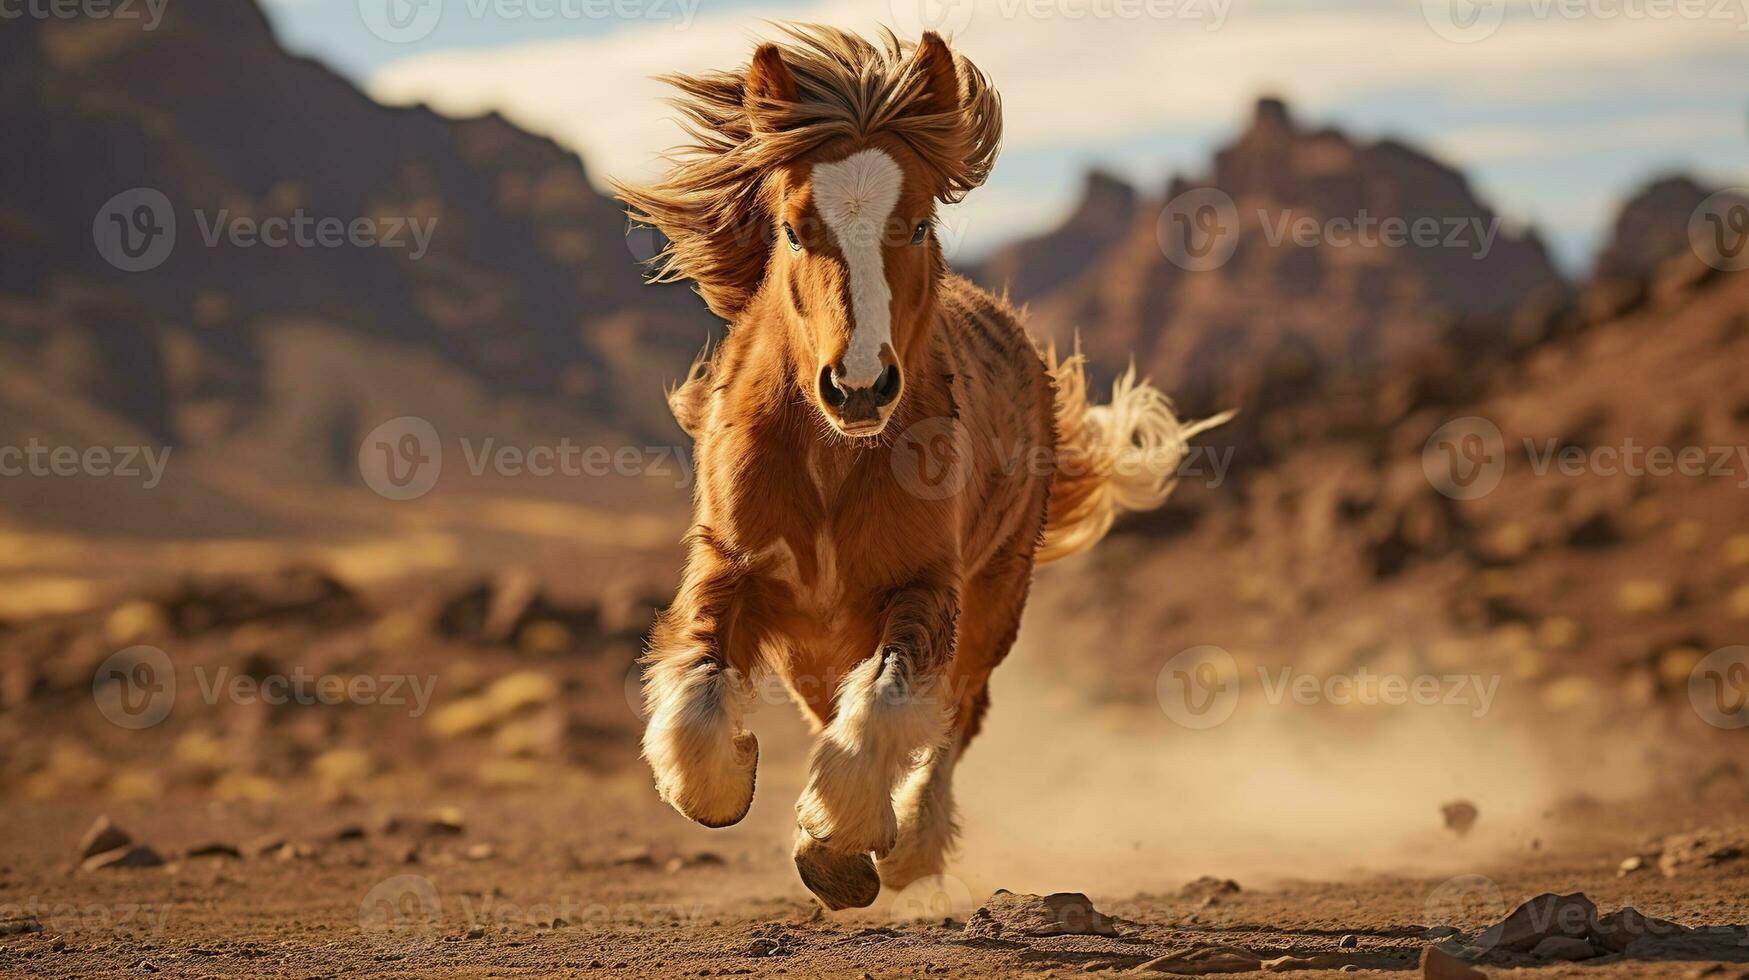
{"x": 883, "y": 453}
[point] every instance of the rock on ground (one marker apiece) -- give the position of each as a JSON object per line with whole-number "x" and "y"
{"x": 1208, "y": 959}
{"x": 104, "y": 835}
{"x": 1563, "y": 948}
{"x": 1622, "y": 928}
{"x": 1062, "y": 914}
{"x": 1437, "y": 964}
{"x": 1208, "y": 887}
{"x": 1706, "y": 848}
{"x": 1569, "y": 916}
{"x": 126, "y": 856}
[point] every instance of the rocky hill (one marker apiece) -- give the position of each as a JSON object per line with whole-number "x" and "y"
{"x": 489, "y": 287}
{"x": 1593, "y": 556}
{"x": 522, "y": 316}
{"x": 1305, "y": 283}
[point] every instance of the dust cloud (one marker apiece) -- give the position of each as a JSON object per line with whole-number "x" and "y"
{"x": 1057, "y": 794}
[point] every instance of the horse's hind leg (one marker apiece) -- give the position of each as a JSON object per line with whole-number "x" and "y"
{"x": 928, "y": 825}
{"x": 696, "y": 685}
{"x": 889, "y": 708}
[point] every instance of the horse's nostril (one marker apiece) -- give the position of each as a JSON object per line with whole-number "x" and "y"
{"x": 829, "y": 390}
{"x": 886, "y": 387}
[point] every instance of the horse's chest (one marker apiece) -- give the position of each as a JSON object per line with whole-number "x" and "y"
{"x": 826, "y": 612}
{"x": 810, "y": 574}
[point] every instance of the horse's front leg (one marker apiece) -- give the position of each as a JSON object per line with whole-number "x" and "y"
{"x": 697, "y": 684}
{"x": 889, "y": 708}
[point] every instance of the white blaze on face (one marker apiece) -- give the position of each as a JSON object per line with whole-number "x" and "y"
{"x": 855, "y": 197}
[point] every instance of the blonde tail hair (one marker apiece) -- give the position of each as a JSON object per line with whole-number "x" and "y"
{"x": 1110, "y": 458}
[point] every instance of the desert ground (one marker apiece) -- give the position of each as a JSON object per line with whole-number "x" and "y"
{"x": 490, "y": 817}
{"x": 257, "y": 720}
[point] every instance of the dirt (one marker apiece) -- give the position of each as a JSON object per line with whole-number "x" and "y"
{"x": 508, "y": 828}
{"x": 471, "y": 803}
{"x": 599, "y": 880}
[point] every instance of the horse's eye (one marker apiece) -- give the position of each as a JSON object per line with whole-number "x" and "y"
{"x": 795, "y": 244}
{"x": 920, "y": 232}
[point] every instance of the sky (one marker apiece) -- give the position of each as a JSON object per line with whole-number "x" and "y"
{"x": 1555, "y": 109}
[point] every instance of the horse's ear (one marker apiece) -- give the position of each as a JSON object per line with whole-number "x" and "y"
{"x": 941, "y": 81}
{"x": 768, "y": 79}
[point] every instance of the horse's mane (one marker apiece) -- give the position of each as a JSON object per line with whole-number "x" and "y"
{"x": 712, "y": 206}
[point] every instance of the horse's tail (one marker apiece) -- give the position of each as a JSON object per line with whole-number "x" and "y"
{"x": 1110, "y": 458}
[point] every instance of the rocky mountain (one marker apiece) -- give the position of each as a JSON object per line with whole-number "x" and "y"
{"x": 1325, "y": 256}
{"x": 497, "y": 296}
{"x": 1034, "y": 267}
{"x": 327, "y": 262}
{"x": 1591, "y": 555}
{"x": 1651, "y": 227}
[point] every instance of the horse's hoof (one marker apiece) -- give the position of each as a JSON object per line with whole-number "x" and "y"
{"x": 839, "y": 881}
{"x": 724, "y": 798}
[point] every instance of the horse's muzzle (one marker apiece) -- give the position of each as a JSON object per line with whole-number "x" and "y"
{"x": 859, "y": 411}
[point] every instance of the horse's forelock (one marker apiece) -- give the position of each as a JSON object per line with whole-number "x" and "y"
{"x": 711, "y": 206}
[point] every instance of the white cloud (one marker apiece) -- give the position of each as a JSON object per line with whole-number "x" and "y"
{"x": 1651, "y": 130}
{"x": 1085, "y": 84}
{"x": 1068, "y": 81}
